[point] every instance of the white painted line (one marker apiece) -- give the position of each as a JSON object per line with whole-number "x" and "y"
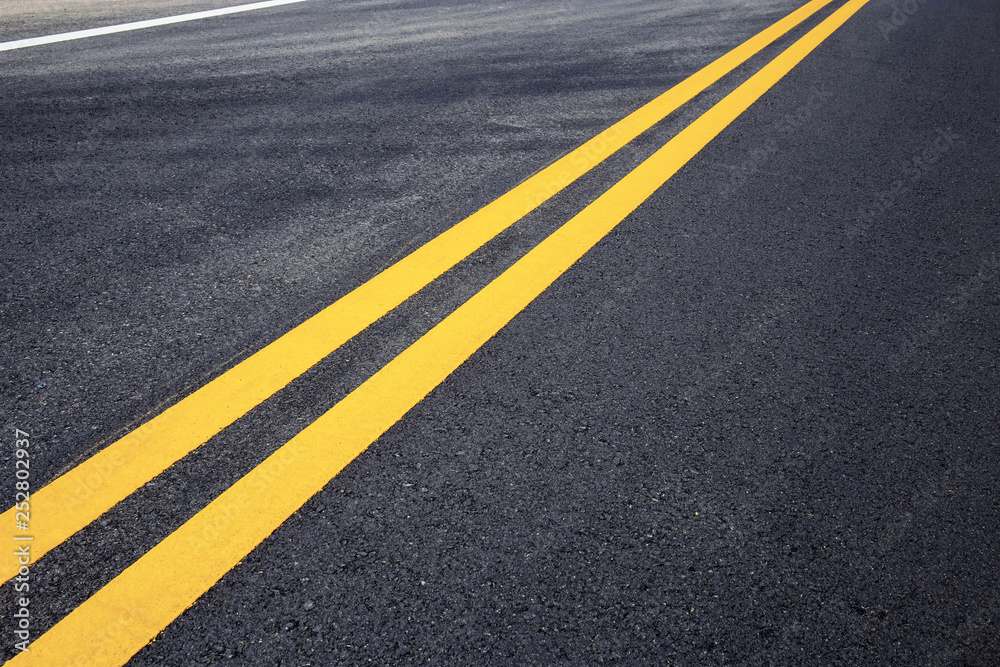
{"x": 139, "y": 25}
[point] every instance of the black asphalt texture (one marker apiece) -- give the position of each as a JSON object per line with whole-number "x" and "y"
{"x": 757, "y": 424}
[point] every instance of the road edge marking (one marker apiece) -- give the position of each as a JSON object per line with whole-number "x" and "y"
{"x": 140, "y": 25}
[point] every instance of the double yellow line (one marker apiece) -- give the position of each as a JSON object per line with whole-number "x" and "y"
{"x": 127, "y": 613}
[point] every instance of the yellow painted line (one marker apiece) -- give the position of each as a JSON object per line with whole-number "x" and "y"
{"x": 131, "y": 610}
{"x": 90, "y": 489}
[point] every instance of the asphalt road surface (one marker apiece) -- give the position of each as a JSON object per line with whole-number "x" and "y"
{"x": 757, "y": 423}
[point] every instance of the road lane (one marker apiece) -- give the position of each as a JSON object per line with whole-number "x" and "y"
{"x": 86, "y": 492}
{"x": 168, "y": 175}
{"x": 753, "y": 425}
{"x": 251, "y": 510}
